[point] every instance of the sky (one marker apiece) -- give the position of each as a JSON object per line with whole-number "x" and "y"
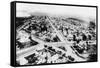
{"x": 25, "y": 9}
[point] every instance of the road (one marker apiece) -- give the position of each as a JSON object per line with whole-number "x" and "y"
{"x": 67, "y": 45}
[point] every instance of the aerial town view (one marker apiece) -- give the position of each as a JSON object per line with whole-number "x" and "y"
{"x": 44, "y": 38}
